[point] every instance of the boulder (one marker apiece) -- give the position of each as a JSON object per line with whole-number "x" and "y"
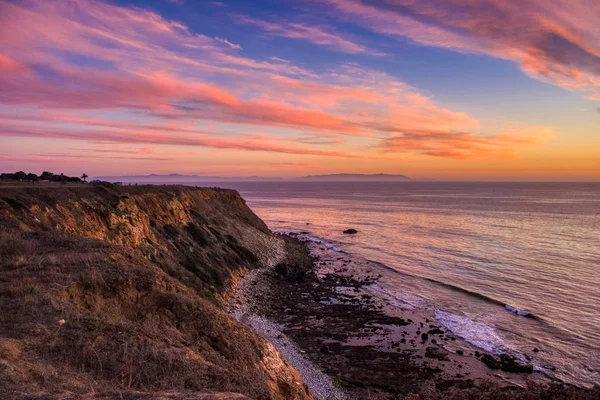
{"x": 511, "y": 364}
{"x": 490, "y": 361}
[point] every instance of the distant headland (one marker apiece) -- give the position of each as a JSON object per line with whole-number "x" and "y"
{"x": 178, "y": 178}
{"x": 356, "y": 178}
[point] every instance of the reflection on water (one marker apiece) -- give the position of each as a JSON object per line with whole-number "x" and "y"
{"x": 533, "y": 246}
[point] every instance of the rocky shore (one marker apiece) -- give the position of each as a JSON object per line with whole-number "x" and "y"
{"x": 317, "y": 307}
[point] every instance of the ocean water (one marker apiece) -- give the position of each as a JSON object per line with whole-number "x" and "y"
{"x": 508, "y": 267}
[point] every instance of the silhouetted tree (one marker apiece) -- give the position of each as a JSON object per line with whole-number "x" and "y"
{"x": 84, "y": 177}
{"x": 32, "y": 177}
{"x": 46, "y": 176}
{"x": 21, "y": 175}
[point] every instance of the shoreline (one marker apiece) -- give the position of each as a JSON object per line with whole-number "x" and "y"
{"x": 320, "y": 304}
{"x": 244, "y": 307}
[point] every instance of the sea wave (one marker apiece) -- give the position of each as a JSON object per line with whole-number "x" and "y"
{"x": 486, "y": 298}
{"x": 476, "y": 333}
{"x": 515, "y": 310}
{"x": 393, "y": 299}
{"x": 328, "y": 244}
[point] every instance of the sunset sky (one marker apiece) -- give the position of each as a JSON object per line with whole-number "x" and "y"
{"x": 442, "y": 89}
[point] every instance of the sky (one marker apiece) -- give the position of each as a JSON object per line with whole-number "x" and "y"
{"x": 434, "y": 89}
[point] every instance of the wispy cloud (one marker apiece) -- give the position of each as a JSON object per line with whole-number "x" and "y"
{"x": 294, "y": 165}
{"x": 228, "y": 43}
{"x": 142, "y": 137}
{"x": 314, "y": 34}
{"x": 461, "y": 145}
{"x": 553, "y": 40}
{"x": 151, "y": 81}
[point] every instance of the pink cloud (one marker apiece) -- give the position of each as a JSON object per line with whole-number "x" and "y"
{"x": 228, "y": 43}
{"x": 142, "y": 137}
{"x": 553, "y": 40}
{"x": 111, "y": 157}
{"x": 150, "y": 81}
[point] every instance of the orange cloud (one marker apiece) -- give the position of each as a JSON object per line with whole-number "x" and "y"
{"x": 294, "y": 165}
{"x": 151, "y": 81}
{"x": 143, "y": 137}
{"x": 462, "y": 145}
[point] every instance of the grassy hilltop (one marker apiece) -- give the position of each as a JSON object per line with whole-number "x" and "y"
{"x": 112, "y": 292}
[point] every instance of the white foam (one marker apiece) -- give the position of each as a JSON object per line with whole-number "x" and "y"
{"x": 313, "y": 239}
{"x": 395, "y": 301}
{"x": 476, "y": 333}
{"x": 515, "y": 310}
{"x": 331, "y": 246}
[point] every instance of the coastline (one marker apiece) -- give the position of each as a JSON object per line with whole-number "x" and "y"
{"x": 244, "y": 306}
{"x": 318, "y": 308}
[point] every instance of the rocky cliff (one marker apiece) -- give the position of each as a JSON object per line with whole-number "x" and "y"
{"x": 115, "y": 292}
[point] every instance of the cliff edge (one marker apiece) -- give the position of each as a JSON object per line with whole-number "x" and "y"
{"x": 112, "y": 292}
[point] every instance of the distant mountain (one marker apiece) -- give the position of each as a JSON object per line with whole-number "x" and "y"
{"x": 355, "y": 178}
{"x": 178, "y": 178}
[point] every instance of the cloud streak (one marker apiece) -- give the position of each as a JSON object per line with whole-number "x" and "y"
{"x": 143, "y": 137}
{"x": 461, "y": 145}
{"x": 556, "y": 41}
{"x": 141, "y": 79}
{"x": 313, "y": 34}
{"x": 228, "y": 43}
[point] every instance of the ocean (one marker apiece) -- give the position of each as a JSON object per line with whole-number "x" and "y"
{"x": 508, "y": 267}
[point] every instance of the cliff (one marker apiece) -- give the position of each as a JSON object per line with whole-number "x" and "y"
{"x": 115, "y": 292}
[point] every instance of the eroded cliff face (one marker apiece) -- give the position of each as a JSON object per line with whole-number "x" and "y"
{"x": 114, "y": 292}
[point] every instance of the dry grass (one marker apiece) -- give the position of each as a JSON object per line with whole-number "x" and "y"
{"x": 92, "y": 308}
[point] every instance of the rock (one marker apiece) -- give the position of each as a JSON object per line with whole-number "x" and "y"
{"x": 436, "y": 331}
{"x": 324, "y": 349}
{"x": 350, "y": 231}
{"x": 506, "y": 363}
{"x": 490, "y": 361}
{"x": 424, "y": 337}
{"x": 536, "y": 350}
{"x": 511, "y": 364}
{"x": 436, "y": 353}
{"x": 477, "y": 354}
{"x": 460, "y": 352}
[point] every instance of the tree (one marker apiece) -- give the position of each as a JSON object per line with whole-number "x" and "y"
{"x": 84, "y": 177}
{"x": 32, "y": 177}
{"x": 46, "y": 176}
{"x": 21, "y": 175}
